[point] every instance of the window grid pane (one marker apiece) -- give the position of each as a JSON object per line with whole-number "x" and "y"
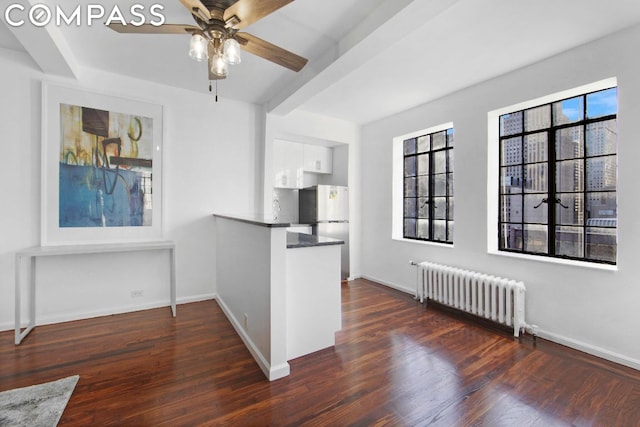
{"x": 428, "y": 187}
{"x": 558, "y": 179}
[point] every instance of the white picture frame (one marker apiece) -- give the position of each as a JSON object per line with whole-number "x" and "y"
{"x": 63, "y": 103}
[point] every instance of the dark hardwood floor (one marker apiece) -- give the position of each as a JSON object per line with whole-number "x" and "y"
{"x": 394, "y": 363}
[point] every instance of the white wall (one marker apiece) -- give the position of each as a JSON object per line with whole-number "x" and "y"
{"x": 591, "y": 309}
{"x": 210, "y": 165}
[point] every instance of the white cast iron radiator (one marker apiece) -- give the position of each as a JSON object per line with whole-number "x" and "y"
{"x": 495, "y": 298}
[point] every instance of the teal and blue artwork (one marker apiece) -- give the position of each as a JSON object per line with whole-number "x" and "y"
{"x": 105, "y": 174}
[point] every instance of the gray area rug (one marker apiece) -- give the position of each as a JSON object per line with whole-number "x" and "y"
{"x": 37, "y": 405}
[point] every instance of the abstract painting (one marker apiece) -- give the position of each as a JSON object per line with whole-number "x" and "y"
{"x": 105, "y": 168}
{"x": 104, "y": 185}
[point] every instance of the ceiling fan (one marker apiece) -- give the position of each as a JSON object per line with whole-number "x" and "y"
{"x": 217, "y": 38}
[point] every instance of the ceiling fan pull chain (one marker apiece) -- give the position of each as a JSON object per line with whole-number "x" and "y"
{"x": 216, "y": 89}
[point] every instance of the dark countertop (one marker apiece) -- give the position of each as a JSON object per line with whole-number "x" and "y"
{"x": 294, "y": 240}
{"x": 302, "y": 240}
{"x": 256, "y": 220}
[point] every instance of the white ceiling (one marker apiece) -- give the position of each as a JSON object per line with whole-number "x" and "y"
{"x": 368, "y": 59}
{"x": 8, "y": 40}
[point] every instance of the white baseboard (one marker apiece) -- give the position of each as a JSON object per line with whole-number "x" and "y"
{"x": 271, "y": 372}
{"x": 70, "y": 317}
{"x": 590, "y": 349}
{"x": 196, "y": 298}
{"x": 6, "y": 326}
{"x": 391, "y": 285}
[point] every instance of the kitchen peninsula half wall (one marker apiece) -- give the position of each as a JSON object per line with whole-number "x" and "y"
{"x": 280, "y": 290}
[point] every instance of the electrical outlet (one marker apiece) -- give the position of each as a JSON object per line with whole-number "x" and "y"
{"x": 137, "y": 293}
{"x": 246, "y": 321}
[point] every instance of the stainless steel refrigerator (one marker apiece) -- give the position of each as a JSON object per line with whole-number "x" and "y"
{"x": 326, "y": 208}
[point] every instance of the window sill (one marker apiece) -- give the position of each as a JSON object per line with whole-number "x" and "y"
{"x": 551, "y": 260}
{"x": 424, "y": 242}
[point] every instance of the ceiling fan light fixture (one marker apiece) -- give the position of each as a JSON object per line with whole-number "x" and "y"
{"x": 231, "y": 51}
{"x": 198, "y": 47}
{"x": 216, "y": 38}
{"x": 218, "y": 66}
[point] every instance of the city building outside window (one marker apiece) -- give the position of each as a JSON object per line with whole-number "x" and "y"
{"x": 428, "y": 187}
{"x": 558, "y": 178}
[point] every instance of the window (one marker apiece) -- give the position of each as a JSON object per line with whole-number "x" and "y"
{"x": 428, "y": 187}
{"x": 558, "y": 178}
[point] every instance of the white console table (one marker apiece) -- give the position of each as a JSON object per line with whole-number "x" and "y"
{"x": 33, "y": 253}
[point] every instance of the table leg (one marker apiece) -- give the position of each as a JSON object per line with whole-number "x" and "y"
{"x": 19, "y": 333}
{"x": 32, "y": 297}
{"x": 173, "y": 280}
{"x": 18, "y": 304}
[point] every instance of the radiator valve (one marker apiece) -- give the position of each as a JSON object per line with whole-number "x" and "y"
{"x": 532, "y": 330}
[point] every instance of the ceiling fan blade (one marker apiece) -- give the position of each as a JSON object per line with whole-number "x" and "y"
{"x": 250, "y": 11}
{"x": 197, "y": 9}
{"x": 152, "y": 29}
{"x": 271, "y": 52}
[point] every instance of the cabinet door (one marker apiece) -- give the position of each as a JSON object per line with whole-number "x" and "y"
{"x": 326, "y": 160}
{"x": 318, "y": 159}
{"x": 287, "y": 164}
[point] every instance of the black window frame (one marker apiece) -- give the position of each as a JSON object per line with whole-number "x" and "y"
{"x": 555, "y": 199}
{"x": 425, "y": 202}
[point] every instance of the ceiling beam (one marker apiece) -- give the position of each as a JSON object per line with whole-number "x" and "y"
{"x": 48, "y": 48}
{"x": 389, "y": 24}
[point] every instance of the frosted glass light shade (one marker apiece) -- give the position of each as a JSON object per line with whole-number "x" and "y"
{"x": 198, "y": 48}
{"x": 219, "y": 66}
{"x": 231, "y": 52}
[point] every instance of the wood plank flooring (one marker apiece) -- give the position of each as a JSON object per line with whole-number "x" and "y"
{"x": 395, "y": 363}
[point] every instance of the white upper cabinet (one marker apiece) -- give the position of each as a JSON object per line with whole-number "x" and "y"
{"x": 292, "y": 159}
{"x": 288, "y": 160}
{"x": 318, "y": 159}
